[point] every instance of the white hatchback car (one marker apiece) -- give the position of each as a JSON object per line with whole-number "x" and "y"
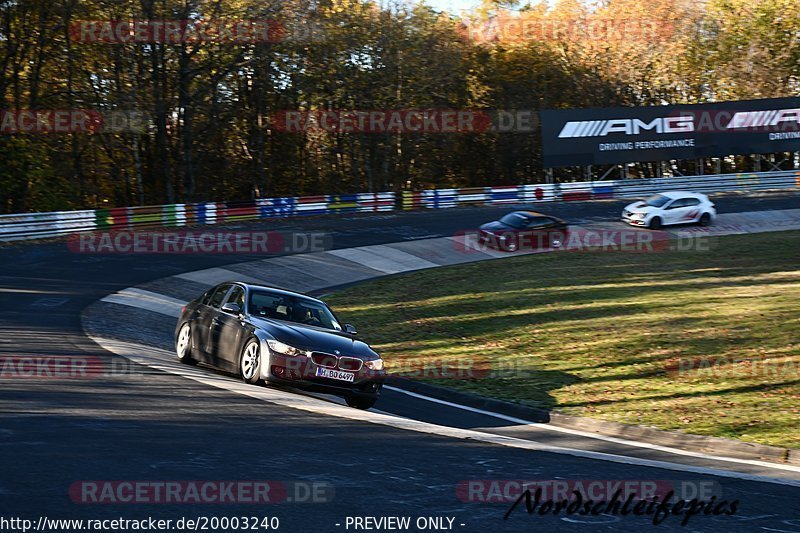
{"x": 667, "y": 208}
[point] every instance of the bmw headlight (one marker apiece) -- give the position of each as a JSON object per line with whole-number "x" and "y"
{"x": 375, "y": 364}
{"x": 285, "y": 349}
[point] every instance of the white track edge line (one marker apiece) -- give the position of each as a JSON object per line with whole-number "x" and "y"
{"x": 616, "y": 440}
{"x": 296, "y": 402}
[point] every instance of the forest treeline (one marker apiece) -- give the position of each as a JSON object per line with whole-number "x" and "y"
{"x": 206, "y": 108}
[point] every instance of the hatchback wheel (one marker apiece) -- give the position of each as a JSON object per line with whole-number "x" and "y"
{"x": 705, "y": 219}
{"x": 655, "y": 223}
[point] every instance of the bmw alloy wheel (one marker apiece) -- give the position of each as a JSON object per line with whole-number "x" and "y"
{"x": 250, "y": 363}
{"x": 183, "y": 345}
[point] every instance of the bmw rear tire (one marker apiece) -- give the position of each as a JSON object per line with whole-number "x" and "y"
{"x": 183, "y": 345}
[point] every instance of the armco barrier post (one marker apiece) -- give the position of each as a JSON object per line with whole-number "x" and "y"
{"x": 190, "y": 212}
{"x": 537, "y": 193}
{"x": 747, "y": 180}
{"x": 210, "y": 213}
{"x": 366, "y": 202}
{"x": 504, "y": 195}
{"x": 168, "y": 216}
{"x": 602, "y": 191}
{"x": 147, "y": 216}
{"x": 103, "y": 218}
{"x": 412, "y": 200}
{"x": 444, "y": 198}
{"x": 240, "y": 211}
{"x": 119, "y": 217}
{"x": 407, "y": 201}
{"x": 312, "y": 205}
{"x": 472, "y": 196}
{"x": 375, "y": 201}
{"x": 343, "y": 203}
{"x": 576, "y": 192}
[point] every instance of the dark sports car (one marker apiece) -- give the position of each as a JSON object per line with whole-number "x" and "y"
{"x": 277, "y": 336}
{"x": 524, "y": 230}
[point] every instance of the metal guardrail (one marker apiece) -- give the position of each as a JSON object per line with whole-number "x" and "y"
{"x": 17, "y": 227}
{"x": 594, "y": 190}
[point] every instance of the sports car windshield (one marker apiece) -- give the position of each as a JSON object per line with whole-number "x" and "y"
{"x": 514, "y": 220}
{"x": 280, "y": 306}
{"x": 657, "y": 200}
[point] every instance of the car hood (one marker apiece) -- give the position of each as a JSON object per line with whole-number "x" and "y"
{"x": 640, "y": 207}
{"x": 314, "y": 339}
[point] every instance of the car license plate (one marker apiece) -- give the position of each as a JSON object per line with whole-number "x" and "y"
{"x": 335, "y": 374}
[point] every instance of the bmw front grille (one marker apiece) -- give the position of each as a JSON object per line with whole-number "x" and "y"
{"x": 350, "y": 364}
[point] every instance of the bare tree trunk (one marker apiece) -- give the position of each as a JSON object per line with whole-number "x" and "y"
{"x": 186, "y": 106}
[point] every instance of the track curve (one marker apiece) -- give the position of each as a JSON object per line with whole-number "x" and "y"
{"x": 154, "y": 418}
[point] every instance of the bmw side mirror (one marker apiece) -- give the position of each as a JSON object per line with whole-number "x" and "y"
{"x": 232, "y": 308}
{"x": 351, "y": 329}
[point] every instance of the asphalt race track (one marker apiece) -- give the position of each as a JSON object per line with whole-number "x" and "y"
{"x": 146, "y": 424}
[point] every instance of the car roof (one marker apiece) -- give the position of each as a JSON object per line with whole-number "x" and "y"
{"x": 282, "y": 292}
{"x": 682, "y": 194}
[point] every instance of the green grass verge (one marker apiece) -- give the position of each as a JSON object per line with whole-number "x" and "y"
{"x": 702, "y": 342}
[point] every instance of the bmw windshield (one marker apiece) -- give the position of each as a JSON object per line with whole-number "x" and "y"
{"x": 280, "y": 306}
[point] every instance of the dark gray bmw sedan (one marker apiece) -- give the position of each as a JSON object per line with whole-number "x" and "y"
{"x": 272, "y": 335}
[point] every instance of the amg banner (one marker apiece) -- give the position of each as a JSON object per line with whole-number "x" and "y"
{"x": 629, "y": 134}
